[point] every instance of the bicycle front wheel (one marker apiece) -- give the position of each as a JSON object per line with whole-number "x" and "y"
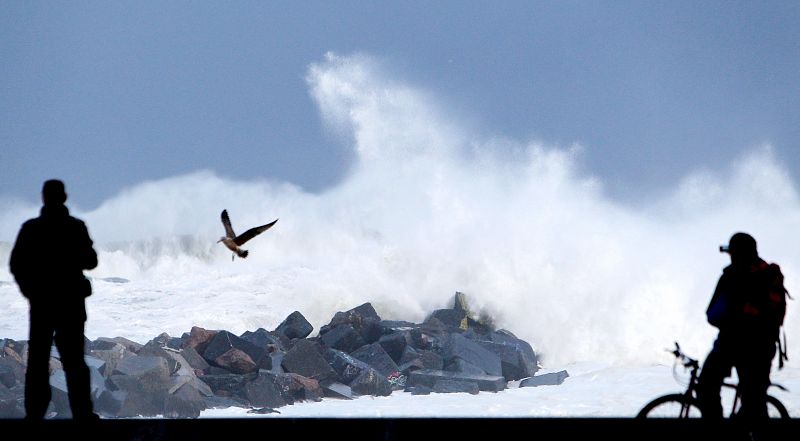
{"x": 671, "y": 406}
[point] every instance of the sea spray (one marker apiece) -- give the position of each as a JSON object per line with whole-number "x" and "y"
{"x": 429, "y": 208}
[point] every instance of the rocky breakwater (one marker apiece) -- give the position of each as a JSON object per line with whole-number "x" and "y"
{"x": 357, "y": 353}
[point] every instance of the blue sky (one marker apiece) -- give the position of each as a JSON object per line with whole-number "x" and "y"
{"x": 108, "y": 95}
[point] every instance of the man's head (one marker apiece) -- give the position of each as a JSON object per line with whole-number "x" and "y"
{"x": 742, "y": 248}
{"x": 53, "y": 192}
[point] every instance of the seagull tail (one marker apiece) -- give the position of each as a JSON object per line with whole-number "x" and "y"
{"x": 242, "y": 253}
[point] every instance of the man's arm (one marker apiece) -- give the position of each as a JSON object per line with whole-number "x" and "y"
{"x": 88, "y": 257}
{"x": 19, "y": 263}
{"x": 717, "y": 310}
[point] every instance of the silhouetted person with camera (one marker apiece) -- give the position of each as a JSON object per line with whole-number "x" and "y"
{"x": 47, "y": 262}
{"x": 748, "y": 307}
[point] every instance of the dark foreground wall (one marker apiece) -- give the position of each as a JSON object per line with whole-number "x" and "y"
{"x": 560, "y": 429}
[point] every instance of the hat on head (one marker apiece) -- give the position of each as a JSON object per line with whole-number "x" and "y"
{"x": 740, "y": 243}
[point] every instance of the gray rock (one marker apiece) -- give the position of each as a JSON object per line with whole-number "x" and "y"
{"x": 220, "y": 402}
{"x": 343, "y": 337}
{"x": 236, "y": 361}
{"x": 12, "y": 348}
{"x": 390, "y": 326}
{"x": 146, "y": 381}
{"x": 337, "y": 390}
{"x": 364, "y": 320}
{"x": 450, "y": 318}
{"x": 128, "y": 344}
{"x": 347, "y": 367}
{"x": 175, "y": 343}
{"x": 58, "y": 395}
{"x": 162, "y": 339}
{"x": 276, "y": 360}
{"x": 194, "y": 360}
{"x": 516, "y": 356}
{"x": 375, "y": 356}
{"x": 411, "y": 360}
{"x": 446, "y": 386}
{"x": 12, "y": 372}
{"x": 371, "y": 382}
{"x": 431, "y": 360}
{"x": 177, "y": 381}
{"x": 460, "y": 303}
{"x": 111, "y": 355}
{"x": 471, "y": 352}
{"x": 394, "y": 344}
{"x": 459, "y": 365}
{"x": 551, "y": 379}
{"x": 146, "y": 368}
{"x": 295, "y": 326}
{"x": 294, "y": 387}
{"x": 263, "y": 392}
{"x": 227, "y": 385}
{"x": 186, "y": 402}
{"x": 420, "y": 390}
{"x": 409, "y": 354}
{"x": 199, "y": 339}
{"x": 109, "y": 403}
{"x": 11, "y": 406}
{"x": 427, "y": 377}
{"x": 224, "y": 341}
{"x": 155, "y": 348}
{"x": 304, "y": 358}
{"x": 266, "y": 339}
{"x": 263, "y": 410}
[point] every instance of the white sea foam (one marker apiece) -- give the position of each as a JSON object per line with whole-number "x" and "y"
{"x": 429, "y": 208}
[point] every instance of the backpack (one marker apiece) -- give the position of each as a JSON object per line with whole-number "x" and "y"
{"x": 775, "y": 305}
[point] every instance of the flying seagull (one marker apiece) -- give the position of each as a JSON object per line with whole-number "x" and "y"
{"x": 233, "y": 242}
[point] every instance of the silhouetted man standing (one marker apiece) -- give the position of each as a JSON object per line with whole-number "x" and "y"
{"x": 47, "y": 262}
{"x": 748, "y": 307}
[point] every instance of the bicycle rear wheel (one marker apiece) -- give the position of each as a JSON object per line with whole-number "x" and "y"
{"x": 775, "y": 408}
{"x": 671, "y": 406}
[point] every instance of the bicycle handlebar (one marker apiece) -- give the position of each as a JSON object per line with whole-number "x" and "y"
{"x": 685, "y": 359}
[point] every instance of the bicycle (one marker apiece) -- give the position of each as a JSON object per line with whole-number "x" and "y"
{"x": 685, "y": 405}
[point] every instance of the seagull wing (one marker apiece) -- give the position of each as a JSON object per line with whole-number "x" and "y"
{"x": 226, "y": 221}
{"x": 253, "y": 232}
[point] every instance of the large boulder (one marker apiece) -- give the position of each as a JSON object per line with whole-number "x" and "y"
{"x": 263, "y": 392}
{"x": 395, "y": 344}
{"x": 364, "y": 319}
{"x": 227, "y": 385}
{"x": 199, "y": 339}
{"x": 295, "y": 326}
{"x": 184, "y": 402}
{"x": 12, "y": 372}
{"x": 305, "y": 358}
{"x": 458, "y": 346}
{"x": 346, "y": 366}
{"x": 429, "y": 378}
{"x": 146, "y": 382}
{"x": 103, "y": 343}
{"x": 11, "y": 406}
{"x": 371, "y": 382}
{"x": 223, "y": 342}
{"x": 194, "y": 360}
{"x": 516, "y": 357}
{"x": 447, "y": 386}
{"x": 111, "y": 353}
{"x": 270, "y": 341}
{"x": 342, "y": 337}
{"x": 375, "y": 356}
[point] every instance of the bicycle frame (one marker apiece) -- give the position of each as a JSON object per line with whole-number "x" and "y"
{"x": 691, "y": 390}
